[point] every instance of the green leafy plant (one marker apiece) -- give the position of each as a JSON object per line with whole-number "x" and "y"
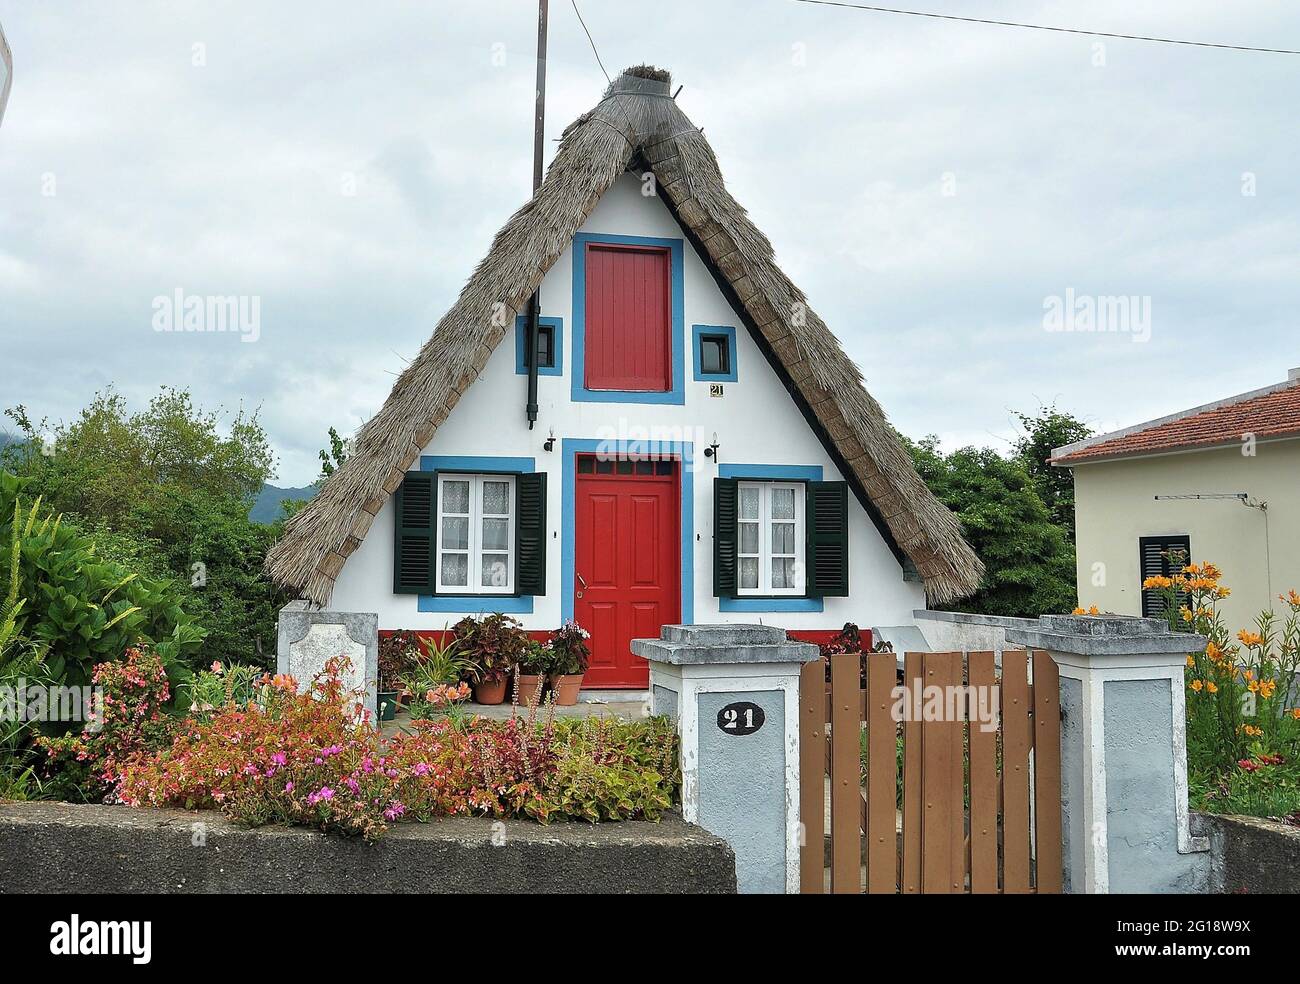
{"x": 81, "y": 610}
{"x": 220, "y": 687}
{"x": 569, "y": 651}
{"x": 493, "y": 644}
{"x": 440, "y": 664}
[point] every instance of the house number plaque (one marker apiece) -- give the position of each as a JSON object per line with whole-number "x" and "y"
{"x": 741, "y": 718}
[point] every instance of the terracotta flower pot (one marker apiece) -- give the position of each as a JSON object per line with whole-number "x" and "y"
{"x": 491, "y": 691}
{"x": 529, "y": 685}
{"x": 567, "y": 686}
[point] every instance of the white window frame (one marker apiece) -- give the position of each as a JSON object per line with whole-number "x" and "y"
{"x": 474, "y": 575}
{"x": 764, "y": 555}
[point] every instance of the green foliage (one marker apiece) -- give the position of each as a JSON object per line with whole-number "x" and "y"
{"x": 1048, "y": 430}
{"x": 1029, "y": 559}
{"x": 493, "y": 644}
{"x": 80, "y": 609}
{"x": 441, "y": 663}
{"x": 165, "y": 493}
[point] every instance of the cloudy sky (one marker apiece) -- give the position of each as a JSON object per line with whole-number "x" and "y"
{"x": 930, "y": 185}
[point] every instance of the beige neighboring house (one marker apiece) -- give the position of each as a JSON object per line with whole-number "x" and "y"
{"x": 1219, "y": 481}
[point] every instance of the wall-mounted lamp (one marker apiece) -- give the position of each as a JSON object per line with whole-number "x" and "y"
{"x": 549, "y": 444}
{"x": 712, "y": 450}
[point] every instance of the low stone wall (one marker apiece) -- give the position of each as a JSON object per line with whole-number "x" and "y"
{"x": 63, "y": 847}
{"x": 1258, "y": 857}
{"x": 947, "y": 632}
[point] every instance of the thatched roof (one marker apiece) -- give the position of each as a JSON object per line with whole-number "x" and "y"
{"x": 636, "y": 124}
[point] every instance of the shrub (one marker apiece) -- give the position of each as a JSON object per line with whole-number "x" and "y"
{"x": 81, "y": 609}
{"x": 310, "y": 759}
{"x": 130, "y": 722}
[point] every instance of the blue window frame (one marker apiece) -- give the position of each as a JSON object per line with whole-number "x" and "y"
{"x": 556, "y": 329}
{"x": 721, "y": 335}
{"x": 578, "y": 391}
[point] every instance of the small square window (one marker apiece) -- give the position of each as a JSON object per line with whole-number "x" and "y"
{"x": 715, "y": 355}
{"x": 545, "y": 347}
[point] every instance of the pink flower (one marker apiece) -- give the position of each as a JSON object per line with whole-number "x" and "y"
{"x": 288, "y": 787}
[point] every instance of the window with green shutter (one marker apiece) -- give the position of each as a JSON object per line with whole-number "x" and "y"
{"x": 774, "y": 539}
{"x": 470, "y": 534}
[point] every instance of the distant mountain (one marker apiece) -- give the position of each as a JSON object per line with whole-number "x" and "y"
{"x": 266, "y": 507}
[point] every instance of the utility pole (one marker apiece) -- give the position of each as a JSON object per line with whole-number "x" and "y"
{"x": 539, "y": 128}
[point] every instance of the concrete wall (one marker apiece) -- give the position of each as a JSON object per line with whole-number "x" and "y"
{"x": 756, "y": 422}
{"x": 1115, "y": 505}
{"x": 948, "y": 632}
{"x": 1257, "y": 857}
{"x": 55, "y": 848}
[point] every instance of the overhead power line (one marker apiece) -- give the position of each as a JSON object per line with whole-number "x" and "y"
{"x": 1045, "y": 27}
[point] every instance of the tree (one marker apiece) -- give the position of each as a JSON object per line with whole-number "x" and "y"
{"x": 1051, "y": 429}
{"x": 166, "y": 492}
{"x": 1029, "y": 561}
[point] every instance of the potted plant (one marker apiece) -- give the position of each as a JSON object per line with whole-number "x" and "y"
{"x": 397, "y": 651}
{"x": 534, "y": 664}
{"x": 437, "y": 674}
{"x": 569, "y": 661}
{"x": 492, "y": 645}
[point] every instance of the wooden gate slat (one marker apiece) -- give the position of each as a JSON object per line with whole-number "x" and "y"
{"x": 983, "y": 784}
{"x": 882, "y": 775}
{"x": 812, "y": 773}
{"x": 846, "y": 773}
{"x": 938, "y": 852}
{"x": 913, "y": 665}
{"x": 1015, "y": 771}
{"x": 1047, "y": 773}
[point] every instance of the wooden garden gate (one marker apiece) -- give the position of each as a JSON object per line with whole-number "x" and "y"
{"x": 979, "y": 794}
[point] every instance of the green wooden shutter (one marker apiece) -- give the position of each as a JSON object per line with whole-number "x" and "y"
{"x": 414, "y": 541}
{"x": 827, "y": 518}
{"x": 724, "y": 537}
{"x": 530, "y": 534}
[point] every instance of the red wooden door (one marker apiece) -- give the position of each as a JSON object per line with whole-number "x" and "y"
{"x": 627, "y": 562}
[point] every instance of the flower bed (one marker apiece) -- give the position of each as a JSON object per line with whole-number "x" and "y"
{"x": 1243, "y": 725}
{"x": 314, "y": 759}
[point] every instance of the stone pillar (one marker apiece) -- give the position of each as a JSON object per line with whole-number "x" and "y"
{"x": 734, "y": 692}
{"x": 1123, "y": 752}
{"x": 308, "y": 636}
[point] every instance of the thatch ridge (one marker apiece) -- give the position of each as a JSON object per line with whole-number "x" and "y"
{"x": 633, "y": 120}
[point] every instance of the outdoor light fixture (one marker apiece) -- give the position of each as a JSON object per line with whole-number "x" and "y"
{"x": 712, "y": 450}
{"x": 549, "y": 445}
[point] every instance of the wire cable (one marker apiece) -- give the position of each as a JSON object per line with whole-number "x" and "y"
{"x": 1045, "y": 27}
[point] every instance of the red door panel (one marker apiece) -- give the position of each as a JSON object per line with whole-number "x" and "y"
{"x": 628, "y": 320}
{"x": 627, "y": 567}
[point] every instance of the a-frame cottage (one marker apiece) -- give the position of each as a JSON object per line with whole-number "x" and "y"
{"x": 704, "y": 450}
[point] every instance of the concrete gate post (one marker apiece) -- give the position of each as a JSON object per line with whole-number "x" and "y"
{"x": 1123, "y": 752}
{"x": 734, "y": 692}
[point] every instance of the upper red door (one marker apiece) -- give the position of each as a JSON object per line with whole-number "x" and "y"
{"x": 628, "y": 326}
{"x": 627, "y": 562}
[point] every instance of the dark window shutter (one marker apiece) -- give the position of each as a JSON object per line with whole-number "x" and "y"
{"x": 414, "y": 541}
{"x": 827, "y": 517}
{"x": 725, "y": 532}
{"x": 530, "y": 534}
{"x": 1156, "y": 555}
